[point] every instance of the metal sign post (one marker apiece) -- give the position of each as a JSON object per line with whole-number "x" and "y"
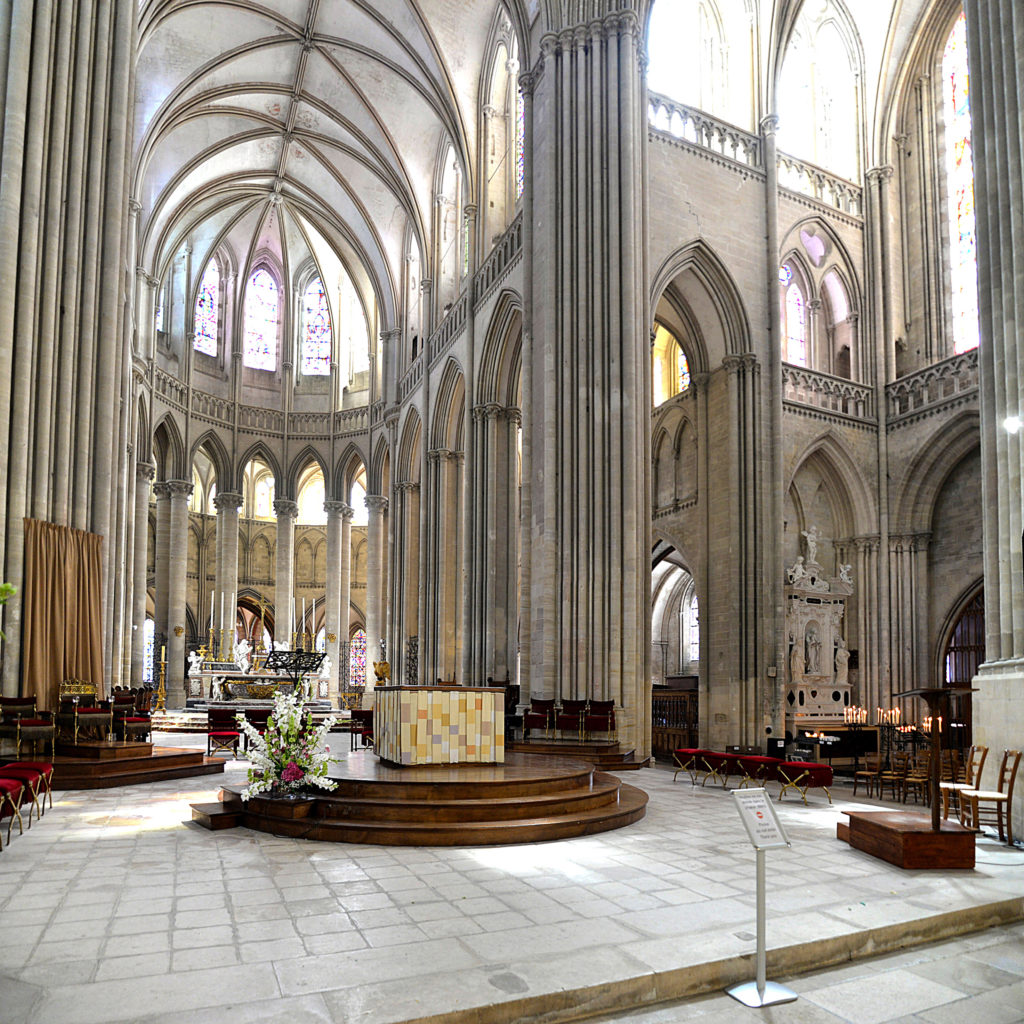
{"x": 766, "y": 833}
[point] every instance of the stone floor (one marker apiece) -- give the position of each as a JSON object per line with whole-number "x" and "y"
{"x": 115, "y": 907}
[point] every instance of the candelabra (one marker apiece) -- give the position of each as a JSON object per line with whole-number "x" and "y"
{"x": 161, "y": 690}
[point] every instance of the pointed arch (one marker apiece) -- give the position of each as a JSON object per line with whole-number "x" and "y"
{"x": 307, "y": 457}
{"x": 379, "y": 470}
{"x": 259, "y": 450}
{"x": 449, "y": 408}
{"x": 348, "y": 467}
{"x": 409, "y": 448}
{"x": 500, "y": 373}
{"x": 169, "y": 450}
{"x": 211, "y": 443}
{"x": 700, "y": 278}
{"x": 848, "y": 491}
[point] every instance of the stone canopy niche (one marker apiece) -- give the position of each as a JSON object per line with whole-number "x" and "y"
{"x": 817, "y": 684}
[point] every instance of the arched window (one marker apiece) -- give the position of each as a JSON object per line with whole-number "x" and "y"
{"x": 148, "y": 637}
{"x": 262, "y": 313}
{"x": 693, "y": 631}
{"x": 794, "y": 316}
{"x": 205, "y": 318}
{"x": 670, "y": 369}
{"x": 963, "y": 257}
{"x": 312, "y": 492}
{"x": 316, "y": 330}
{"x": 357, "y": 659}
{"x": 357, "y": 500}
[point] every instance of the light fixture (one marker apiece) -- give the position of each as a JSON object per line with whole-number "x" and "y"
{"x": 1012, "y": 424}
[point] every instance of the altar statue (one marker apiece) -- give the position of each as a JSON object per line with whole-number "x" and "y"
{"x": 813, "y": 655}
{"x": 845, "y": 574}
{"x": 195, "y": 663}
{"x": 842, "y": 663}
{"x": 811, "y": 536}
{"x": 796, "y": 663}
{"x": 798, "y": 572}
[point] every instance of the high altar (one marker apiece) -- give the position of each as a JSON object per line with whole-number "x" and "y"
{"x": 439, "y": 724}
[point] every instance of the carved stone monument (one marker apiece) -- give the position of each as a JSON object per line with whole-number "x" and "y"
{"x": 817, "y": 686}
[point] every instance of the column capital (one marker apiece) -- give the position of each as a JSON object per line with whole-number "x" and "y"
{"x": 769, "y": 125}
{"x": 285, "y": 508}
{"x": 144, "y": 470}
{"x": 339, "y": 508}
{"x": 230, "y": 500}
{"x": 161, "y": 489}
{"x": 376, "y": 503}
{"x": 877, "y": 175}
{"x": 179, "y": 488}
{"x": 407, "y": 487}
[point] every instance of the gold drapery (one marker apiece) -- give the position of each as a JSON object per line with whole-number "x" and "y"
{"x": 62, "y": 629}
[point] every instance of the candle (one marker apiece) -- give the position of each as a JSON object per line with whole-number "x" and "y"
{"x": 211, "y": 609}
{"x": 222, "y": 609}
{"x": 163, "y": 654}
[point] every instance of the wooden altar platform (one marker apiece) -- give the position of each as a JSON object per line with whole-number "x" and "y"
{"x": 100, "y": 764}
{"x": 527, "y": 799}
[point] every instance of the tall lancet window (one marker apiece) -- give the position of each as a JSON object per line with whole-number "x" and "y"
{"x": 316, "y": 330}
{"x": 963, "y": 257}
{"x": 262, "y": 312}
{"x": 795, "y": 318}
{"x": 205, "y": 325}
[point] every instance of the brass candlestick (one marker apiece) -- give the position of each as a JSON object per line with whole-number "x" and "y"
{"x": 161, "y": 690}
{"x": 209, "y": 645}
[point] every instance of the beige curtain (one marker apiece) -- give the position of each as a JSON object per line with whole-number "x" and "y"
{"x": 61, "y": 610}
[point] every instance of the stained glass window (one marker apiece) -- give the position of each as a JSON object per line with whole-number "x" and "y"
{"x": 160, "y": 311}
{"x": 259, "y": 348}
{"x": 207, "y": 300}
{"x": 963, "y": 257}
{"x": 796, "y": 327}
{"x": 684, "y": 369}
{"x": 264, "y": 497}
{"x": 357, "y": 659}
{"x": 316, "y": 331}
{"x": 148, "y": 649}
{"x": 693, "y": 630}
{"x": 520, "y": 144}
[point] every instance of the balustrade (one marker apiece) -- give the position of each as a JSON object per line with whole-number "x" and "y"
{"x": 720, "y": 137}
{"x": 950, "y": 380}
{"x": 817, "y": 183}
{"x": 823, "y": 391}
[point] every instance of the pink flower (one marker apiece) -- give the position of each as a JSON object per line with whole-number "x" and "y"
{"x": 292, "y": 772}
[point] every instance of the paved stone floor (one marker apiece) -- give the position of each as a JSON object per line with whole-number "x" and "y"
{"x": 115, "y": 907}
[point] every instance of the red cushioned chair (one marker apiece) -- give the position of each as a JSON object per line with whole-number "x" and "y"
{"x": 570, "y": 717}
{"x": 79, "y": 716}
{"x": 540, "y": 716}
{"x": 362, "y": 726}
{"x": 222, "y": 732}
{"x": 804, "y": 775}
{"x": 600, "y": 717}
{"x": 20, "y": 722}
{"x": 127, "y": 720}
{"x": 34, "y": 785}
{"x": 690, "y": 760}
{"x": 11, "y": 796}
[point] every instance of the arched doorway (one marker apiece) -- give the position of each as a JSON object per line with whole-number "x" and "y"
{"x": 964, "y": 652}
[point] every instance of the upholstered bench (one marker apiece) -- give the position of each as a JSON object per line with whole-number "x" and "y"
{"x": 690, "y": 760}
{"x": 804, "y": 775}
{"x": 12, "y": 794}
{"x": 758, "y": 769}
{"x": 34, "y": 785}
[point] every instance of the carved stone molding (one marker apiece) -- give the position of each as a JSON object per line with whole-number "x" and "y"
{"x": 179, "y": 488}
{"x": 230, "y": 500}
{"x": 145, "y": 470}
{"x": 376, "y": 503}
{"x": 339, "y": 508}
{"x": 285, "y": 508}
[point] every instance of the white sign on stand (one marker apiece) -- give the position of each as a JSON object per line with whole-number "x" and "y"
{"x": 766, "y": 833}
{"x": 759, "y": 817}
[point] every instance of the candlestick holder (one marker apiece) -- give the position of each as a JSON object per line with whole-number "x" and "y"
{"x": 210, "y": 648}
{"x": 161, "y": 690}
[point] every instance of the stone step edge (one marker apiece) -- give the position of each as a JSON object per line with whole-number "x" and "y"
{"x": 653, "y": 987}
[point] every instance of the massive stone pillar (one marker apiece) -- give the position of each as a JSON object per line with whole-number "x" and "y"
{"x": 995, "y": 39}
{"x": 284, "y": 589}
{"x": 588, "y": 369}
{"x": 177, "y": 566}
{"x": 338, "y": 514}
{"x": 376, "y": 505}
{"x": 144, "y": 474}
{"x": 227, "y": 504}
{"x": 162, "y": 493}
{"x": 405, "y": 517}
{"x": 345, "y": 596}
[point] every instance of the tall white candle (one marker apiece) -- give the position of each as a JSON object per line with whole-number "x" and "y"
{"x": 312, "y": 618}
{"x": 211, "y": 609}
{"x": 222, "y": 609}
{"x": 303, "y": 630}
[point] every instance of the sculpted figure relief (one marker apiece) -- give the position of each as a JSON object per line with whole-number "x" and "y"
{"x": 842, "y": 662}
{"x": 811, "y": 536}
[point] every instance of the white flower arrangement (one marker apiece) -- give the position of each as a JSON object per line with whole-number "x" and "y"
{"x": 290, "y": 753}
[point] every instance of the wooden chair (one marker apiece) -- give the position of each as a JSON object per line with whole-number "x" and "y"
{"x": 870, "y": 775}
{"x": 918, "y": 778}
{"x": 895, "y": 776}
{"x": 570, "y": 717}
{"x": 972, "y": 800}
{"x": 362, "y": 726}
{"x": 972, "y": 780}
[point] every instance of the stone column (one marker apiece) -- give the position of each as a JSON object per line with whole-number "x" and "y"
{"x": 588, "y": 424}
{"x": 376, "y": 505}
{"x": 162, "y": 493}
{"x": 284, "y": 590}
{"x": 144, "y": 472}
{"x": 227, "y": 504}
{"x": 995, "y": 39}
{"x": 177, "y": 568}
{"x": 338, "y": 512}
{"x": 345, "y": 596}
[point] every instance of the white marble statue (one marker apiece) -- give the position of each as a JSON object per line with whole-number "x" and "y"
{"x": 845, "y": 573}
{"x": 798, "y": 572}
{"x": 812, "y": 657}
{"x": 796, "y": 663}
{"x": 242, "y": 649}
{"x": 842, "y": 663}
{"x": 195, "y": 663}
{"x": 811, "y": 536}
{"x": 325, "y": 668}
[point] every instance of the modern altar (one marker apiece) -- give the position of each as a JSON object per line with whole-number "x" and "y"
{"x": 416, "y": 725}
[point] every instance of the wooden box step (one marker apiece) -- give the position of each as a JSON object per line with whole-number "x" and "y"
{"x": 906, "y": 839}
{"x": 215, "y": 816}
{"x": 103, "y": 750}
{"x": 163, "y": 763}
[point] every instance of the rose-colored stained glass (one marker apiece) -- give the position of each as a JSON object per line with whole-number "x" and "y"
{"x": 205, "y": 321}
{"x": 316, "y": 331}
{"x": 357, "y": 659}
{"x": 262, "y": 312}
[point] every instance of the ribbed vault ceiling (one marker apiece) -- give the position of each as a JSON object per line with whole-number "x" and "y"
{"x": 335, "y": 111}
